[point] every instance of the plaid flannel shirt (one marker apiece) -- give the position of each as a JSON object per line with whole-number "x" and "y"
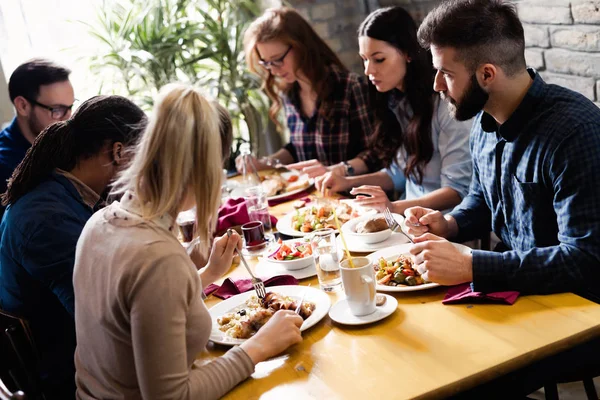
{"x": 339, "y": 128}
{"x": 536, "y": 178}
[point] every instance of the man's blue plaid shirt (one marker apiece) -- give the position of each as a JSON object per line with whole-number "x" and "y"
{"x": 544, "y": 202}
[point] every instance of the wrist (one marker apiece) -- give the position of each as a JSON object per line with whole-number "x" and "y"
{"x": 254, "y": 351}
{"x": 468, "y": 267}
{"x": 207, "y": 276}
{"x": 451, "y": 227}
{"x": 347, "y": 168}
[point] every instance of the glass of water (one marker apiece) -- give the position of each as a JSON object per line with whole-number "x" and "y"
{"x": 327, "y": 262}
{"x": 258, "y": 206}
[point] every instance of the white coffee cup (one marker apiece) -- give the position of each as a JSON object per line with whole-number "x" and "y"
{"x": 359, "y": 285}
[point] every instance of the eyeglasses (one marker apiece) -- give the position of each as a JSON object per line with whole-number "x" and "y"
{"x": 57, "y": 112}
{"x": 274, "y": 63}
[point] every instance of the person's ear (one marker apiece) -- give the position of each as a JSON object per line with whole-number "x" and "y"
{"x": 117, "y": 153}
{"x": 22, "y": 106}
{"x": 486, "y": 75}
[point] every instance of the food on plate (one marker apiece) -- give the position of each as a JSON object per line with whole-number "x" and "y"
{"x": 316, "y": 217}
{"x": 275, "y": 184}
{"x": 397, "y": 272}
{"x": 245, "y": 321}
{"x": 299, "y": 204}
{"x": 372, "y": 225}
{"x": 291, "y": 251}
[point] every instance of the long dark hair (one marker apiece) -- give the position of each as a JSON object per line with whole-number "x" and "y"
{"x": 315, "y": 57}
{"x": 98, "y": 121}
{"x": 395, "y": 26}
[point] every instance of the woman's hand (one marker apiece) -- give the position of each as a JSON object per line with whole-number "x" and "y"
{"x": 376, "y": 197}
{"x": 279, "y": 333}
{"x": 221, "y": 257}
{"x": 332, "y": 182}
{"x": 312, "y": 168}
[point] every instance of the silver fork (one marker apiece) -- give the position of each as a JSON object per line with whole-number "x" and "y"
{"x": 393, "y": 224}
{"x": 258, "y": 284}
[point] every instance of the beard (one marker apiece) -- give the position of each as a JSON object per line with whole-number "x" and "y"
{"x": 472, "y": 102}
{"x": 35, "y": 125}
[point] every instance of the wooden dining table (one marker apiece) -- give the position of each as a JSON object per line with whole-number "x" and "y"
{"x": 424, "y": 350}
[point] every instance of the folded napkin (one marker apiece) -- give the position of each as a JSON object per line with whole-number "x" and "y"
{"x": 230, "y": 287}
{"x": 303, "y": 195}
{"x": 234, "y": 212}
{"x": 464, "y": 294}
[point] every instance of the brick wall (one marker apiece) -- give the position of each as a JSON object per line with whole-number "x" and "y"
{"x": 563, "y": 42}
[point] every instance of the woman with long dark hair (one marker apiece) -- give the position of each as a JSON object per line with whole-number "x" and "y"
{"x": 50, "y": 196}
{"x": 425, "y": 150}
{"x": 325, "y": 105}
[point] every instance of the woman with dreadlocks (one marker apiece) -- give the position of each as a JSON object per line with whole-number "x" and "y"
{"x": 50, "y": 196}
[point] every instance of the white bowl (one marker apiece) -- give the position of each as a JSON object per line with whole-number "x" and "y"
{"x": 349, "y": 229}
{"x": 290, "y": 265}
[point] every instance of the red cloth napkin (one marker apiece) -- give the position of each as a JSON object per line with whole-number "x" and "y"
{"x": 303, "y": 195}
{"x": 234, "y": 212}
{"x": 464, "y": 294}
{"x": 230, "y": 287}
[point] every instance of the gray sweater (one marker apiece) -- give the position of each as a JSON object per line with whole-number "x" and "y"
{"x": 139, "y": 315}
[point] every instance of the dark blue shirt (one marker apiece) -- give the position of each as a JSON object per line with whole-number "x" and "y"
{"x": 38, "y": 236}
{"x": 536, "y": 179}
{"x": 13, "y": 147}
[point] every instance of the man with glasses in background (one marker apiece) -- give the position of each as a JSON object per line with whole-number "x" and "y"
{"x": 42, "y": 94}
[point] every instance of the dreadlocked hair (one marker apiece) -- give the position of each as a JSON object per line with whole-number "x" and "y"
{"x": 99, "y": 121}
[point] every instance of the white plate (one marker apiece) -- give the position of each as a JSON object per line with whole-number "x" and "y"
{"x": 266, "y": 269}
{"x": 285, "y": 195}
{"x": 320, "y": 298}
{"x": 340, "y": 312}
{"x": 239, "y": 191}
{"x": 393, "y": 252}
{"x": 284, "y": 224}
{"x": 358, "y": 246}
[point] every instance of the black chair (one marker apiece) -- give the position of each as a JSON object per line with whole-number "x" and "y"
{"x": 551, "y": 389}
{"x": 19, "y": 363}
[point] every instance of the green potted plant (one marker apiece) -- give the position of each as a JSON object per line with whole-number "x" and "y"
{"x": 145, "y": 44}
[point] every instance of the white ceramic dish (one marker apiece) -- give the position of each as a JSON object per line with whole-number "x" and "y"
{"x": 239, "y": 191}
{"x": 349, "y": 230}
{"x": 320, "y": 298}
{"x": 391, "y": 253}
{"x": 340, "y": 312}
{"x": 266, "y": 269}
{"x": 290, "y": 265}
{"x": 358, "y": 246}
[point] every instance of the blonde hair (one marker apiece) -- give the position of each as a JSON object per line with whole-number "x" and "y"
{"x": 315, "y": 58}
{"x": 180, "y": 151}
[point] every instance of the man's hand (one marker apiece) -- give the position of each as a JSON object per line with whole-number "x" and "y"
{"x": 420, "y": 220}
{"x": 439, "y": 261}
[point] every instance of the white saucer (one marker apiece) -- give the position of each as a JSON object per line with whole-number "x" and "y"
{"x": 266, "y": 269}
{"x": 341, "y": 314}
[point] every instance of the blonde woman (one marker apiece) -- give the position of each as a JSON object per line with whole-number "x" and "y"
{"x": 139, "y": 314}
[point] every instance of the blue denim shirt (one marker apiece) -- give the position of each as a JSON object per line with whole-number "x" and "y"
{"x": 536, "y": 183}
{"x": 13, "y": 147}
{"x": 38, "y": 236}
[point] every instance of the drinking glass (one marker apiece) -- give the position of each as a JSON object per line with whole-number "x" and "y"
{"x": 258, "y": 206}
{"x": 327, "y": 262}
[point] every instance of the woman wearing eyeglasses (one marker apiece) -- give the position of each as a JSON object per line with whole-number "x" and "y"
{"x": 425, "y": 149}
{"x": 325, "y": 105}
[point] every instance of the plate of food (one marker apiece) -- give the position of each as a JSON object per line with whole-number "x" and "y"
{"x": 278, "y": 185}
{"x": 284, "y": 184}
{"x": 307, "y": 219}
{"x": 395, "y": 272}
{"x": 238, "y": 318}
